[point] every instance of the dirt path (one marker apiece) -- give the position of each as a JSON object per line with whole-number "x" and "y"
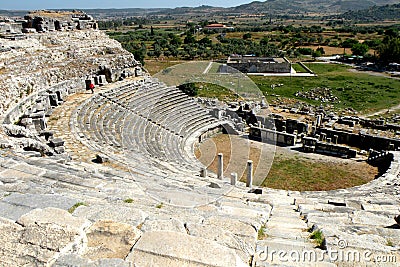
{"x": 374, "y": 73}
{"x": 383, "y": 111}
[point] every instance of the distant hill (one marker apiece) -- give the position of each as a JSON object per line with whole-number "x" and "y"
{"x": 109, "y": 13}
{"x": 13, "y": 13}
{"x": 283, "y": 7}
{"x": 112, "y": 13}
{"x": 200, "y": 10}
{"x": 308, "y": 6}
{"x": 375, "y": 13}
{"x": 276, "y": 7}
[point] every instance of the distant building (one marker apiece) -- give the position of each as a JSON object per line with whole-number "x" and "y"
{"x": 251, "y": 64}
{"x": 218, "y": 26}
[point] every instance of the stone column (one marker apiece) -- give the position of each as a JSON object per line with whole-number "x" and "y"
{"x": 220, "y": 166}
{"x": 335, "y": 139}
{"x": 313, "y": 130}
{"x": 203, "y": 172}
{"x": 249, "y": 181}
{"x": 391, "y": 146}
{"x": 323, "y": 137}
{"x": 318, "y": 120}
{"x": 233, "y": 178}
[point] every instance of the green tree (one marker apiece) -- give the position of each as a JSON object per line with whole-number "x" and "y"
{"x": 316, "y": 54}
{"x": 264, "y": 41}
{"x": 189, "y": 89}
{"x": 247, "y": 36}
{"x": 173, "y": 50}
{"x": 174, "y": 40}
{"x": 321, "y": 50}
{"x": 139, "y": 53}
{"x": 189, "y": 39}
{"x": 389, "y": 51}
{"x": 348, "y": 43}
{"x": 359, "y": 49}
{"x": 205, "y": 41}
{"x": 157, "y": 50}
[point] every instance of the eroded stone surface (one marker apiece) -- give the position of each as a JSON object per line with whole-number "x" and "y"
{"x": 53, "y": 229}
{"x": 123, "y": 214}
{"x": 109, "y": 239}
{"x": 163, "y": 248}
{"x": 40, "y": 236}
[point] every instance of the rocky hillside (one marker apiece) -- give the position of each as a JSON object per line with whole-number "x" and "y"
{"x": 282, "y": 7}
{"x": 45, "y": 59}
{"x": 375, "y": 13}
{"x": 300, "y": 7}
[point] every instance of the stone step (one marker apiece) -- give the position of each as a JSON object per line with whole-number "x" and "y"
{"x": 163, "y": 248}
{"x": 282, "y": 224}
{"x": 283, "y": 252}
{"x": 292, "y": 234}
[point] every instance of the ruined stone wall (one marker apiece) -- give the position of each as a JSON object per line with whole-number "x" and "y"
{"x": 362, "y": 141}
{"x": 261, "y": 67}
{"x": 10, "y": 27}
{"x": 272, "y": 136}
{"x": 44, "y": 20}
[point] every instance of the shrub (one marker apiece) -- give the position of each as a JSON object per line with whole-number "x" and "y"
{"x": 261, "y": 234}
{"x": 75, "y": 206}
{"x": 318, "y": 237}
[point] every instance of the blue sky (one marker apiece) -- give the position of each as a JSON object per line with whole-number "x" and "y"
{"x": 51, "y": 4}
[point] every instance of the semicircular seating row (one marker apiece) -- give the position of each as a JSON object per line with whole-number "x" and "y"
{"x": 147, "y": 124}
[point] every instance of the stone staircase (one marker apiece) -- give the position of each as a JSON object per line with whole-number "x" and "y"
{"x": 286, "y": 237}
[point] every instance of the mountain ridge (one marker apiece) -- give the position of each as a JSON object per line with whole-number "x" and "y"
{"x": 277, "y": 7}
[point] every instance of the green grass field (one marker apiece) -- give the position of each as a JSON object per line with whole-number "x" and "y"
{"x": 298, "y": 68}
{"x": 361, "y": 91}
{"x": 297, "y": 173}
{"x": 215, "y": 91}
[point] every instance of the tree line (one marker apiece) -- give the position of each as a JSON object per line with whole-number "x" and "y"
{"x": 288, "y": 41}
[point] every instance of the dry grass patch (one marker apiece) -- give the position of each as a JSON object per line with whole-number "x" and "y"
{"x": 292, "y": 172}
{"x": 295, "y": 171}
{"x": 155, "y": 66}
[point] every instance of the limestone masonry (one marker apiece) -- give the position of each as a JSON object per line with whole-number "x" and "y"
{"x": 110, "y": 178}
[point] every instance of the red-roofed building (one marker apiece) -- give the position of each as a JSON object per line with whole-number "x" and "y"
{"x": 217, "y": 26}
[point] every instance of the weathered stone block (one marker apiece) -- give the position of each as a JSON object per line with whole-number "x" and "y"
{"x": 52, "y": 228}
{"x": 162, "y": 248}
{"x": 56, "y": 142}
{"x": 109, "y": 239}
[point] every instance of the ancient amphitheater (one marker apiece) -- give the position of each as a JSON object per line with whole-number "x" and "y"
{"x": 110, "y": 178}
